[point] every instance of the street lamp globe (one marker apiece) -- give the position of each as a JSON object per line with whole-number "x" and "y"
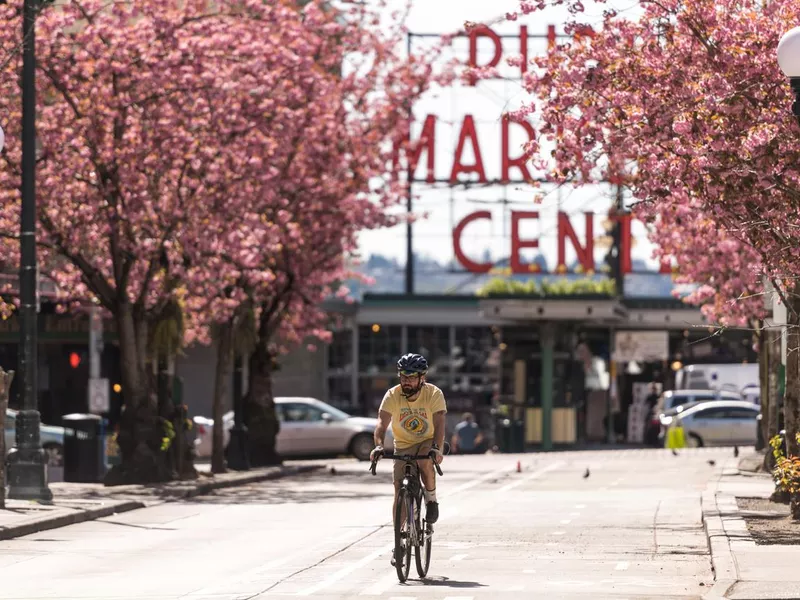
{"x": 789, "y": 62}
{"x": 789, "y": 53}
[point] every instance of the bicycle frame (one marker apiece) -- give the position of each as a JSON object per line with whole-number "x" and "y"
{"x": 412, "y": 484}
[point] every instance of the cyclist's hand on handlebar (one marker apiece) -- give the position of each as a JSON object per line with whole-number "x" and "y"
{"x": 376, "y": 454}
{"x": 436, "y": 455}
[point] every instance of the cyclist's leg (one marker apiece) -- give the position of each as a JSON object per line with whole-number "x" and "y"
{"x": 428, "y": 474}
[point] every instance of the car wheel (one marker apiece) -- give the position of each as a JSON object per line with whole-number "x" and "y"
{"x": 361, "y": 446}
{"x": 54, "y": 454}
{"x": 694, "y": 441}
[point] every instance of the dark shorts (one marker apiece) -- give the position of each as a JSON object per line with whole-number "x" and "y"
{"x": 420, "y": 449}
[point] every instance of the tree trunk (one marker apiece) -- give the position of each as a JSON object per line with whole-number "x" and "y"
{"x": 794, "y": 506}
{"x": 5, "y": 387}
{"x": 140, "y": 429}
{"x": 259, "y": 409}
{"x": 221, "y": 379}
{"x": 791, "y": 403}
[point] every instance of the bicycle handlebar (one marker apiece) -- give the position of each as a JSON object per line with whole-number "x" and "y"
{"x": 407, "y": 458}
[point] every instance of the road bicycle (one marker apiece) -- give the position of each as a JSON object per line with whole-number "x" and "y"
{"x": 413, "y": 531}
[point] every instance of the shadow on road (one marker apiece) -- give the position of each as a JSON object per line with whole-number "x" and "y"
{"x": 318, "y": 487}
{"x": 444, "y": 582}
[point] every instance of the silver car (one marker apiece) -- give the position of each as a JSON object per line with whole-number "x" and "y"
{"x": 718, "y": 423}
{"x": 309, "y": 427}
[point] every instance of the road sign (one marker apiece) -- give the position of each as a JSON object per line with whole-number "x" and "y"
{"x": 99, "y": 401}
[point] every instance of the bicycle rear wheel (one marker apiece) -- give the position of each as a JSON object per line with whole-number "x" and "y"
{"x": 402, "y": 537}
{"x": 423, "y": 550}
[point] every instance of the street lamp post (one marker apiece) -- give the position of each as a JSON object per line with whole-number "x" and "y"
{"x": 27, "y": 476}
{"x": 789, "y": 62}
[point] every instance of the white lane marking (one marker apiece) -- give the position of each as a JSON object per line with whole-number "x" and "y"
{"x": 516, "y": 588}
{"x": 479, "y": 480}
{"x": 558, "y": 533}
{"x": 621, "y": 566}
{"x": 580, "y": 506}
{"x": 459, "y": 557}
{"x": 531, "y": 477}
{"x": 566, "y": 521}
{"x": 341, "y": 573}
{"x": 574, "y": 514}
{"x": 529, "y": 571}
{"x": 381, "y": 586}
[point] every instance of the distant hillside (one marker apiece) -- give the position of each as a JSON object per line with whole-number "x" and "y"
{"x": 432, "y": 277}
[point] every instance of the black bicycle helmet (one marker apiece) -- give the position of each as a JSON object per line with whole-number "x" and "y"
{"x": 413, "y": 363}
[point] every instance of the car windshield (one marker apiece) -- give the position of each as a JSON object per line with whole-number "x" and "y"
{"x": 334, "y": 412}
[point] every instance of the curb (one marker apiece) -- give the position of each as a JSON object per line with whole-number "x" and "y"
{"x": 719, "y": 531}
{"x": 723, "y": 563}
{"x": 80, "y": 516}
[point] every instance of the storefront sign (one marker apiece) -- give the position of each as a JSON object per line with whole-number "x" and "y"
{"x": 641, "y": 346}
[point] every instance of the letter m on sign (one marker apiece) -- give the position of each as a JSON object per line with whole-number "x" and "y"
{"x": 414, "y": 149}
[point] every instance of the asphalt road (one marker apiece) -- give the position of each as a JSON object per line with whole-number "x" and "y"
{"x": 632, "y": 529}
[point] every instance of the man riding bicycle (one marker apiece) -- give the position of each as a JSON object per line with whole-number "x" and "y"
{"x": 416, "y": 410}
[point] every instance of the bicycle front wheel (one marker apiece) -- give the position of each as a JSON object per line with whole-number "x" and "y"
{"x": 402, "y": 536}
{"x": 425, "y": 533}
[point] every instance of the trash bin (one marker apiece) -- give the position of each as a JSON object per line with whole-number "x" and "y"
{"x": 84, "y": 439}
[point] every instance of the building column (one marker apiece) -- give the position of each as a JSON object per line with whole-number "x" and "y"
{"x": 547, "y": 342}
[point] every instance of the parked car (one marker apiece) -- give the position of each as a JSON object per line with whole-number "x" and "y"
{"x": 52, "y": 438}
{"x": 671, "y": 402}
{"x": 718, "y": 423}
{"x": 309, "y": 427}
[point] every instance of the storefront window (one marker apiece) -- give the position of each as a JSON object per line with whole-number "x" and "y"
{"x": 340, "y": 353}
{"x": 434, "y": 344}
{"x": 340, "y": 393}
{"x": 379, "y": 347}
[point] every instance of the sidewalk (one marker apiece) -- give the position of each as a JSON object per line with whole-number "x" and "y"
{"x": 79, "y": 502}
{"x": 744, "y": 569}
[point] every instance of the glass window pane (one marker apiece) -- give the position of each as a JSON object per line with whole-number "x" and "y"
{"x": 340, "y": 353}
{"x": 379, "y": 348}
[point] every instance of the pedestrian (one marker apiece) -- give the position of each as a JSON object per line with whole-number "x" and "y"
{"x": 467, "y": 437}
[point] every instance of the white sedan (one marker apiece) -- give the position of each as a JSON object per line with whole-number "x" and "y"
{"x": 309, "y": 427}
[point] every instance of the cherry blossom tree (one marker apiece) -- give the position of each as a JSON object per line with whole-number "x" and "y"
{"x": 153, "y": 116}
{"x": 339, "y": 176}
{"x": 686, "y": 100}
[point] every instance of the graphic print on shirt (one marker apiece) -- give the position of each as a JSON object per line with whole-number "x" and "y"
{"x": 414, "y": 421}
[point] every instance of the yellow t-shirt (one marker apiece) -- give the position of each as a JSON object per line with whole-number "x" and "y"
{"x": 412, "y": 422}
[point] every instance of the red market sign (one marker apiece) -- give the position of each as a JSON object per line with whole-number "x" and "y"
{"x": 584, "y": 251}
{"x": 468, "y": 133}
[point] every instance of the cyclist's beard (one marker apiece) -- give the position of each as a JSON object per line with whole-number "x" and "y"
{"x": 409, "y": 390}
